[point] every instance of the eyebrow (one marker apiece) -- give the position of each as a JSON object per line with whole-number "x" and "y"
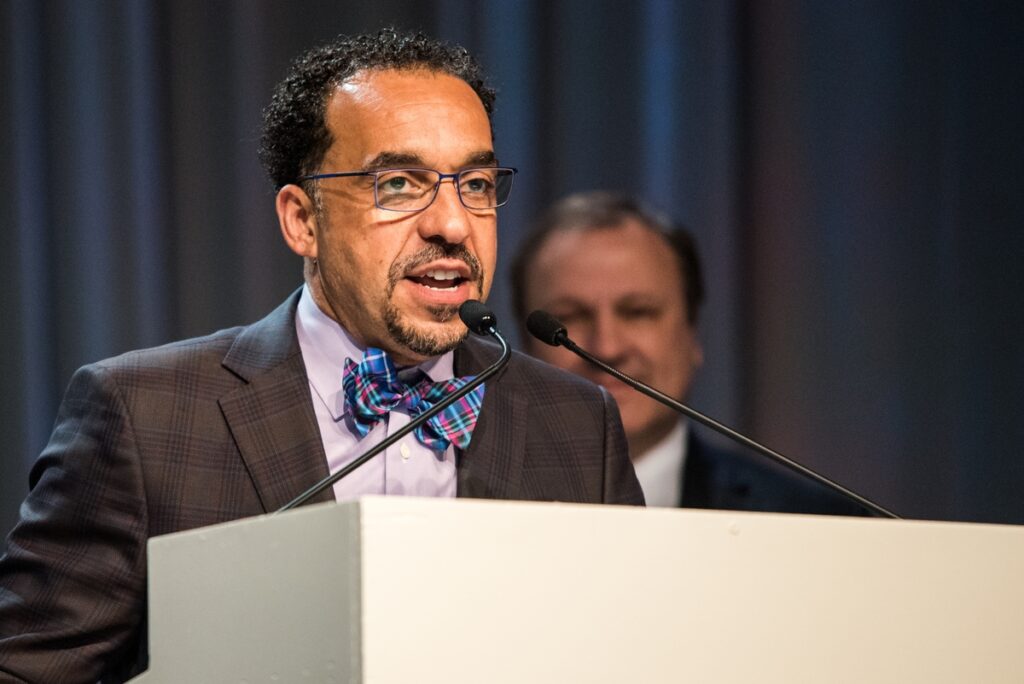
{"x": 390, "y": 160}
{"x": 482, "y": 158}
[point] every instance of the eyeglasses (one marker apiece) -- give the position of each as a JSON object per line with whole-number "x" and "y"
{"x": 486, "y": 187}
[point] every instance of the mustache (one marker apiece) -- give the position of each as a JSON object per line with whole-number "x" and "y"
{"x": 432, "y": 252}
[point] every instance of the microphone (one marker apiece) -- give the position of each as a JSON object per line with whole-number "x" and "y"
{"x": 547, "y": 328}
{"x": 481, "y": 321}
{"x": 478, "y": 318}
{"x": 550, "y": 330}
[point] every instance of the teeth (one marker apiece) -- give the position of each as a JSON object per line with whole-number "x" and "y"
{"x": 443, "y": 275}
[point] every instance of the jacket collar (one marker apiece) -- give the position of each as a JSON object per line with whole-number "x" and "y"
{"x": 271, "y": 415}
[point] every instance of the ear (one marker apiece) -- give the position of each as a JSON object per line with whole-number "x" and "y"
{"x": 297, "y": 218}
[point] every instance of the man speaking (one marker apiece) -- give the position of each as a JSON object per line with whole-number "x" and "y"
{"x": 388, "y": 188}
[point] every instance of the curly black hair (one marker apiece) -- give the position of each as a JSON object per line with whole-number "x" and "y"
{"x": 295, "y": 136}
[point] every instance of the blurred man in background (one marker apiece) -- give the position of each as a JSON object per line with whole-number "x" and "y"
{"x": 627, "y": 285}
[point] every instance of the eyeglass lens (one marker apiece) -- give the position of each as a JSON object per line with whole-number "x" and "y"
{"x": 415, "y": 189}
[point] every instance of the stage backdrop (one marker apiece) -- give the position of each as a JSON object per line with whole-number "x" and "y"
{"x": 852, "y": 171}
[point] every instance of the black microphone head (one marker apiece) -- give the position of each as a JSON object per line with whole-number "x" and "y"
{"x": 477, "y": 317}
{"x": 546, "y": 328}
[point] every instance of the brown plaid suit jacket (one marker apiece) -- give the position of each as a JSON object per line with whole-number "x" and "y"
{"x": 222, "y": 427}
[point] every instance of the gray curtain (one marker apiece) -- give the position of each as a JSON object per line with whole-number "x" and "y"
{"x": 852, "y": 171}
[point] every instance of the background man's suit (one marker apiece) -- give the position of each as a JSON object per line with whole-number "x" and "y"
{"x": 222, "y": 427}
{"x": 715, "y": 477}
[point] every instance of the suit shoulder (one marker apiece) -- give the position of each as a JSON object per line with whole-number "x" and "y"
{"x": 527, "y": 370}
{"x": 523, "y": 371}
{"x": 541, "y": 383}
{"x": 527, "y": 366}
{"x": 157, "y": 381}
{"x": 245, "y": 349}
{"x": 181, "y": 353}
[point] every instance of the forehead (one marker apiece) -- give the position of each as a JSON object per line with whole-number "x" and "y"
{"x": 417, "y": 112}
{"x": 598, "y": 263}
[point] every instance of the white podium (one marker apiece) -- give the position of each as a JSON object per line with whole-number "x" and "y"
{"x": 399, "y": 590}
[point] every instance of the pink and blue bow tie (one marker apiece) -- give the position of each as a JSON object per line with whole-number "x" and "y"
{"x": 373, "y": 389}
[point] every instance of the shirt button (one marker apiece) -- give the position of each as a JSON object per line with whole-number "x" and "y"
{"x": 404, "y": 450}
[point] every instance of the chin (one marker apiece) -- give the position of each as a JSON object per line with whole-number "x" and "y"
{"x": 426, "y": 339}
{"x": 640, "y": 419}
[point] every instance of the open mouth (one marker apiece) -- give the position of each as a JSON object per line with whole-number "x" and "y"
{"x": 442, "y": 280}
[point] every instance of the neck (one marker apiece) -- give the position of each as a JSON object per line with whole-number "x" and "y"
{"x": 401, "y": 358}
{"x": 316, "y": 288}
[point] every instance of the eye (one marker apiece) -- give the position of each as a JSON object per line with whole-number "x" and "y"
{"x": 394, "y": 184}
{"x": 403, "y": 182}
{"x": 571, "y": 317}
{"x": 477, "y": 182}
{"x": 639, "y": 312}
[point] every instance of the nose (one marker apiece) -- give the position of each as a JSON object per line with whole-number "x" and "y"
{"x": 446, "y": 218}
{"x": 608, "y": 338}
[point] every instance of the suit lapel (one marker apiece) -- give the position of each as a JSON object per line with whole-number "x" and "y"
{"x": 491, "y": 467}
{"x": 271, "y": 416}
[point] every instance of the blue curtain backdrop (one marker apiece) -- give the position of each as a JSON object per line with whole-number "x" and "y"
{"x": 852, "y": 171}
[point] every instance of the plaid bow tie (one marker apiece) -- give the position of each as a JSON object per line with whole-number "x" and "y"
{"x": 373, "y": 389}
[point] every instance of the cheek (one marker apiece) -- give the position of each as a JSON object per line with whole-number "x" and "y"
{"x": 485, "y": 244}
{"x": 359, "y": 266}
{"x": 678, "y": 361}
{"x": 374, "y": 260}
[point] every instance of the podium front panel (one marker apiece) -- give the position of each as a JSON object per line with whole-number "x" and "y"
{"x": 393, "y": 590}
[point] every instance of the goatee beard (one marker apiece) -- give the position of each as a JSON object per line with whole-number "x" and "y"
{"x": 418, "y": 341}
{"x": 422, "y": 343}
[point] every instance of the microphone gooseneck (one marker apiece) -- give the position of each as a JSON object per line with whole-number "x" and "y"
{"x": 481, "y": 321}
{"x": 550, "y": 330}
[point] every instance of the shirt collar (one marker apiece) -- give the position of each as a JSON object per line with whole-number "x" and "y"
{"x": 660, "y": 470}
{"x": 325, "y": 345}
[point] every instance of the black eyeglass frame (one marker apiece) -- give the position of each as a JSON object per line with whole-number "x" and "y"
{"x": 441, "y": 177}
